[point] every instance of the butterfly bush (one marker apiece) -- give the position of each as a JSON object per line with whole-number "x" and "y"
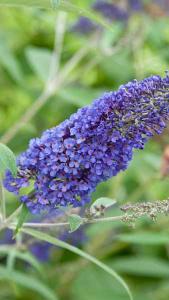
{"x": 68, "y": 161}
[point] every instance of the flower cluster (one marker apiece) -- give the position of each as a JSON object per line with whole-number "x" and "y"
{"x": 68, "y": 161}
{"x": 148, "y": 209}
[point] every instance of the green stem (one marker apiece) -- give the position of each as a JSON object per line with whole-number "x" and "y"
{"x": 8, "y": 221}
{"x": 2, "y": 199}
{"x": 31, "y": 3}
{"x": 52, "y": 225}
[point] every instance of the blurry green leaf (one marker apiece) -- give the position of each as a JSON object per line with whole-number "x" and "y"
{"x": 11, "y": 259}
{"x": 110, "y": 37}
{"x": 40, "y": 60}
{"x": 27, "y": 282}
{"x": 47, "y": 238}
{"x": 145, "y": 238}
{"x": 7, "y": 160}
{"x": 26, "y": 256}
{"x": 153, "y": 62}
{"x": 75, "y": 222}
{"x": 141, "y": 266}
{"x": 99, "y": 285}
{"x": 101, "y": 202}
{"x": 10, "y": 62}
{"x": 80, "y": 96}
{"x": 120, "y": 61}
{"x": 22, "y": 217}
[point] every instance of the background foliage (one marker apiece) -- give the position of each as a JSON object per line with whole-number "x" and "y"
{"x": 113, "y": 56}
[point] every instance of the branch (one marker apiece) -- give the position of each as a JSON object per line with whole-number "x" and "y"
{"x": 48, "y": 4}
{"x": 8, "y": 221}
{"x": 85, "y": 221}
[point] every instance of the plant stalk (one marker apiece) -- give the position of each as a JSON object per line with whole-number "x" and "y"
{"x": 2, "y": 199}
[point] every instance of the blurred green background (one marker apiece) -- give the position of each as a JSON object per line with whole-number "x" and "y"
{"x": 100, "y": 61}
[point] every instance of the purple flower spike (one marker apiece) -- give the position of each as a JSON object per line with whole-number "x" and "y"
{"x": 84, "y": 26}
{"x": 110, "y": 11}
{"x": 135, "y": 5}
{"x": 68, "y": 161}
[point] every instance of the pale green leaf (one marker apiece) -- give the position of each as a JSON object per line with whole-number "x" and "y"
{"x": 145, "y": 238}
{"x": 27, "y": 282}
{"x": 10, "y": 62}
{"x": 141, "y": 266}
{"x": 75, "y": 222}
{"x": 47, "y": 238}
{"x": 99, "y": 285}
{"x": 7, "y": 160}
{"x": 39, "y": 60}
{"x": 102, "y": 202}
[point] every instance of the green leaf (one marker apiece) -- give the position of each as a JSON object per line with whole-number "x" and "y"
{"x": 101, "y": 202}
{"x": 47, "y": 238}
{"x": 10, "y": 62}
{"x": 99, "y": 285}
{"x": 27, "y": 282}
{"x": 39, "y": 60}
{"x": 142, "y": 266}
{"x": 145, "y": 238}
{"x": 22, "y": 217}
{"x": 75, "y": 222}
{"x": 7, "y": 160}
{"x": 25, "y": 256}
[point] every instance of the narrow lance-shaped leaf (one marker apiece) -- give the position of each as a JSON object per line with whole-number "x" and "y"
{"x": 22, "y": 217}
{"x": 7, "y": 160}
{"x": 47, "y": 238}
{"x": 25, "y": 256}
{"x": 27, "y": 282}
{"x": 145, "y": 238}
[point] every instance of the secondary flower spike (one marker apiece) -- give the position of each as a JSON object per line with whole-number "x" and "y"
{"x": 111, "y": 12}
{"x": 68, "y": 161}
